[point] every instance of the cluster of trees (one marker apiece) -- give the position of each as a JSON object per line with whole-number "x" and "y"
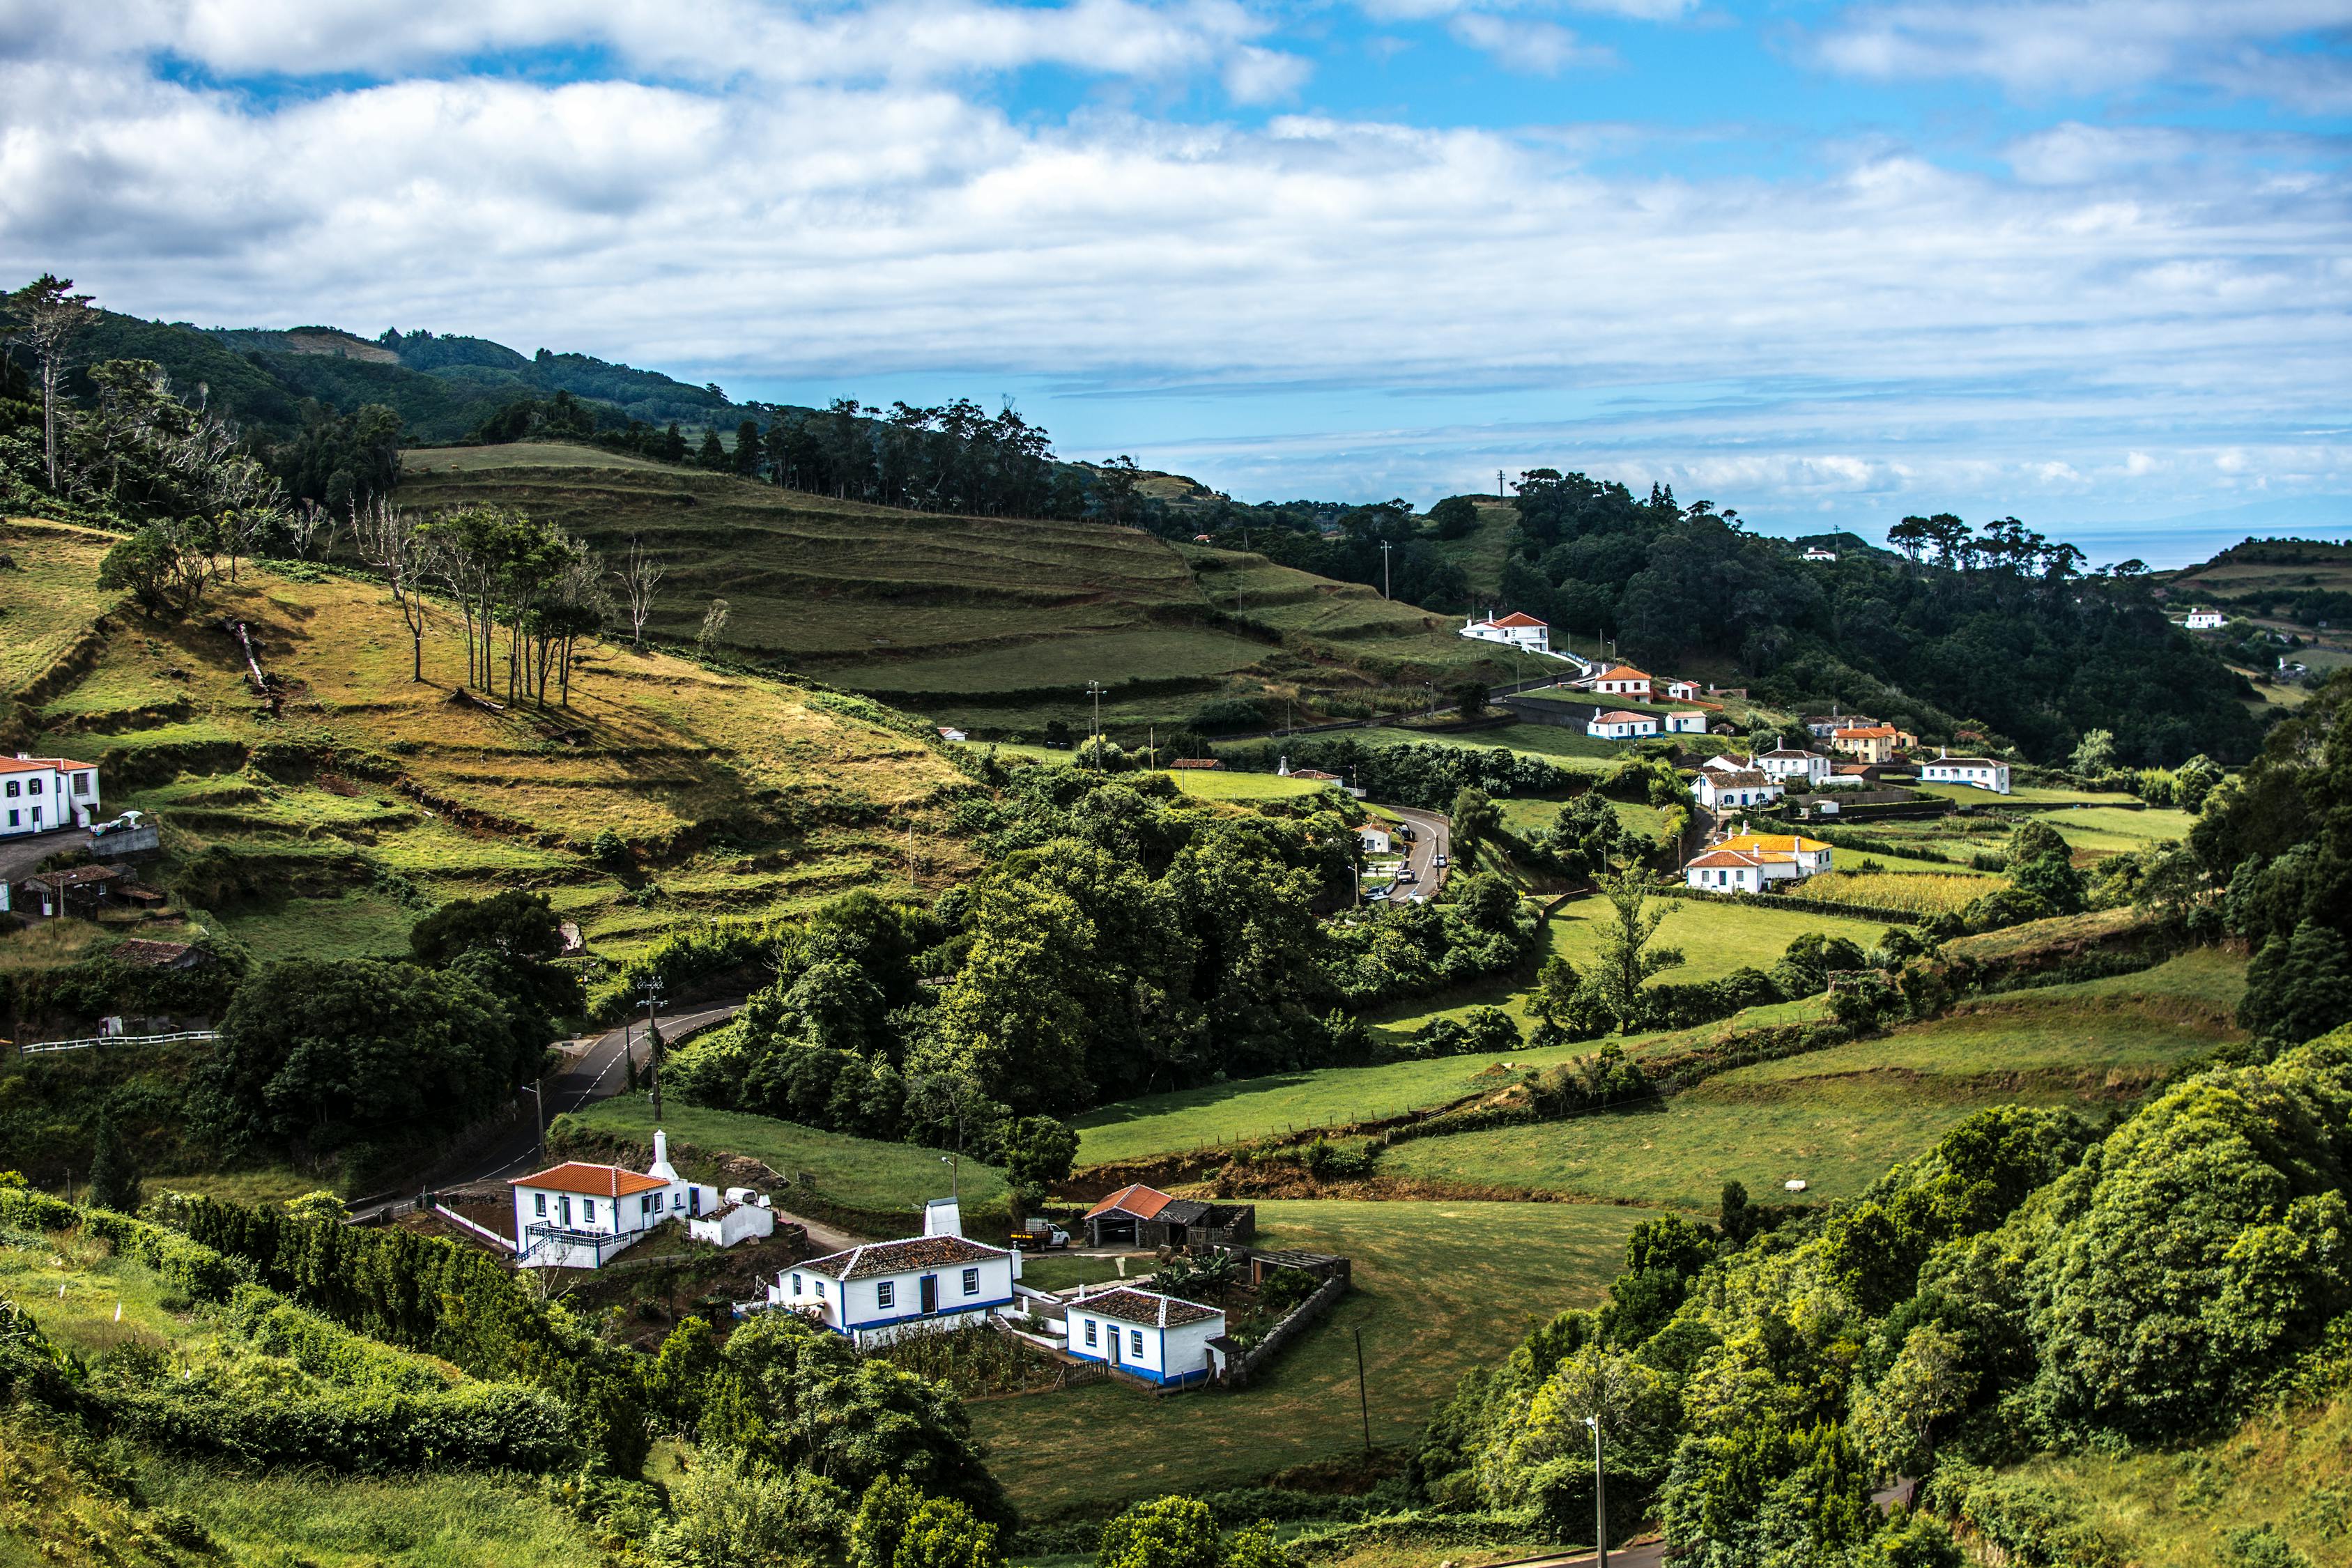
{"x": 1343, "y": 543}
{"x": 338, "y": 1057}
{"x": 1997, "y": 625}
{"x": 1123, "y": 941}
{"x": 2020, "y": 1287}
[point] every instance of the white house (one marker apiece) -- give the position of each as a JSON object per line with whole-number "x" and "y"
{"x": 1718, "y": 790}
{"x": 1622, "y": 681}
{"x": 1685, "y": 722}
{"x": 576, "y": 1214}
{"x": 1620, "y": 725}
{"x": 39, "y": 793}
{"x": 1786, "y": 762}
{"x": 1750, "y": 862}
{"x": 951, "y": 735}
{"x": 1980, "y": 771}
{"x": 2205, "y": 620}
{"x": 1682, "y": 690}
{"x": 1145, "y": 1334}
{"x": 1519, "y": 630}
{"x": 1374, "y": 840}
{"x": 1817, "y": 554}
{"x": 873, "y": 1294}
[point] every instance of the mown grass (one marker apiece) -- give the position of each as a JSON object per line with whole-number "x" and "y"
{"x": 1837, "y": 1119}
{"x": 1216, "y": 785}
{"x": 2023, "y": 795}
{"x": 1441, "y": 1288}
{"x": 358, "y": 924}
{"x": 447, "y": 1520}
{"x": 45, "y": 602}
{"x": 1218, "y": 1114}
{"x": 1566, "y": 747}
{"x": 855, "y": 1172}
{"x": 2106, "y": 830}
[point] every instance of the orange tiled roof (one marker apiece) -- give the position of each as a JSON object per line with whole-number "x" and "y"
{"x": 1139, "y": 1200}
{"x": 593, "y": 1181}
{"x": 1519, "y": 618}
{"x": 1621, "y": 717}
{"x": 1622, "y": 672}
{"x": 1871, "y": 733}
{"x": 40, "y": 764}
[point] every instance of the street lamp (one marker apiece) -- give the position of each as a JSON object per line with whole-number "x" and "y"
{"x": 1600, "y": 1496}
{"x": 652, "y": 998}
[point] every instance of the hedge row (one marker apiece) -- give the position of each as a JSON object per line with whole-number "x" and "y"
{"x": 481, "y": 1425}
{"x": 1792, "y": 901}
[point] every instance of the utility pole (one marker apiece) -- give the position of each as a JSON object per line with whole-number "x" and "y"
{"x": 652, "y": 998}
{"x": 539, "y": 1102}
{"x": 1384, "y": 570}
{"x": 1363, "y": 1401}
{"x": 1600, "y": 1496}
{"x": 1094, "y": 687}
{"x": 1498, "y": 485}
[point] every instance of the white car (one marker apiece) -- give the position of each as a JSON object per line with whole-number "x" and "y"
{"x": 1439, "y": 862}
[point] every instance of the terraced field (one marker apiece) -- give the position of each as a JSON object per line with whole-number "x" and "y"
{"x": 328, "y": 829}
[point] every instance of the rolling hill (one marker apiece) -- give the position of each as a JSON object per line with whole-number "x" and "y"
{"x": 992, "y": 624}
{"x": 667, "y": 792}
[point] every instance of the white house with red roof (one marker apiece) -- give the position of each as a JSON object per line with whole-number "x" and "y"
{"x": 1145, "y": 1334}
{"x": 885, "y": 1290}
{"x": 577, "y": 1215}
{"x": 39, "y": 795}
{"x": 1519, "y": 630}
{"x": 1748, "y": 862}
{"x": 1620, "y": 725}
{"x": 1622, "y": 681}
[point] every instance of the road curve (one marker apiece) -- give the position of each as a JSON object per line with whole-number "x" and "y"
{"x": 594, "y": 1074}
{"x": 1434, "y": 837}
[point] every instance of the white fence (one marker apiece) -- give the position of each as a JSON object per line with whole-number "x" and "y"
{"x": 36, "y": 1047}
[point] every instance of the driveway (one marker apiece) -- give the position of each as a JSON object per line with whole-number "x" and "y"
{"x": 19, "y": 856}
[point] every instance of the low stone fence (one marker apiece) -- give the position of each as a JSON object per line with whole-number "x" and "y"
{"x": 1301, "y": 1318}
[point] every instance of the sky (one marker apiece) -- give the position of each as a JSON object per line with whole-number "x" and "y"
{"x": 1828, "y": 262}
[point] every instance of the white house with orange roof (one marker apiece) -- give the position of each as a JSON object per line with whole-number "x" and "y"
{"x": 1621, "y": 724}
{"x": 1622, "y": 681}
{"x": 577, "y": 1215}
{"x": 1750, "y": 862}
{"x": 1519, "y": 630}
{"x": 40, "y": 795}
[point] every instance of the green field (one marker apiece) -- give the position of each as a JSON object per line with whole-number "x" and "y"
{"x": 2106, "y": 830}
{"x": 45, "y": 597}
{"x": 1205, "y": 784}
{"x": 995, "y": 624}
{"x": 875, "y": 1178}
{"x": 1571, "y": 749}
{"x": 1838, "y": 1119}
{"x": 1440, "y": 1288}
{"x": 1218, "y": 1114}
{"x": 2022, "y": 795}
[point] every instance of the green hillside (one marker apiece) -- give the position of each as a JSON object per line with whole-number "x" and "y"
{"x": 325, "y": 830}
{"x": 995, "y": 624}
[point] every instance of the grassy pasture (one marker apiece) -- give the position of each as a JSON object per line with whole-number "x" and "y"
{"x": 46, "y": 601}
{"x": 1838, "y": 1119}
{"x": 1571, "y": 749}
{"x": 1216, "y": 1114}
{"x": 2022, "y": 795}
{"x": 854, "y": 1172}
{"x": 1925, "y": 892}
{"x": 1441, "y": 1288}
{"x": 1203, "y": 783}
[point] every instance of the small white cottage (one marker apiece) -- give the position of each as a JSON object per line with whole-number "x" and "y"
{"x": 577, "y": 1215}
{"x": 1982, "y": 773}
{"x": 1145, "y": 1334}
{"x": 872, "y": 1294}
{"x": 39, "y": 793}
{"x": 1717, "y": 789}
{"x": 1620, "y": 724}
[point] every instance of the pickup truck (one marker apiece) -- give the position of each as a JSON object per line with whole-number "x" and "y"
{"x": 1042, "y": 1234}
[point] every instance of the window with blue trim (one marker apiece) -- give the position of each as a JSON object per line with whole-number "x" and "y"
{"x": 971, "y": 1281}
{"x": 885, "y": 1294}
{"x": 797, "y": 1284}
{"x": 1090, "y": 1331}
{"x": 1135, "y": 1342}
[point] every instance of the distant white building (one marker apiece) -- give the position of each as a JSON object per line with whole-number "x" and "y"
{"x": 1982, "y": 773}
{"x": 873, "y": 1294}
{"x": 1686, "y": 721}
{"x": 39, "y": 795}
{"x": 1717, "y": 789}
{"x": 1373, "y": 840}
{"x": 1787, "y": 763}
{"x": 1749, "y": 862}
{"x": 952, "y": 735}
{"x": 1145, "y": 1334}
{"x": 1620, "y": 725}
{"x": 2205, "y": 620}
{"x": 1622, "y": 681}
{"x": 1682, "y": 690}
{"x": 1816, "y": 552}
{"x": 577, "y": 1216}
{"x": 1517, "y": 629}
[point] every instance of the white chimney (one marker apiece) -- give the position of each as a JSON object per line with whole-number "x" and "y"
{"x": 661, "y": 1169}
{"x": 942, "y": 1216}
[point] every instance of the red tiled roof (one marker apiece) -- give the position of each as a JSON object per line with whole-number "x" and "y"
{"x": 39, "y": 765}
{"x": 146, "y": 953}
{"x": 1621, "y": 717}
{"x": 1130, "y": 1306}
{"x": 898, "y": 1257}
{"x": 1139, "y": 1200}
{"x": 1870, "y": 732}
{"x": 1622, "y": 672}
{"x": 1519, "y": 618}
{"x": 1196, "y": 762}
{"x": 593, "y": 1181}
{"x": 1721, "y": 857}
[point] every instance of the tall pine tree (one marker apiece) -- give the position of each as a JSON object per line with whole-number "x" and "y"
{"x": 113, "y": 1173}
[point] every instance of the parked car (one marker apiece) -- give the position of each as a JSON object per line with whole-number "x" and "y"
{"x": 1408, "y": 875}
{"x": 1439, "y": 862}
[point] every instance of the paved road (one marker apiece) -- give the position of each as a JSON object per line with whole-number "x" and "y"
{"x": 19, "y": 856}
{"x": 596, "y": 1073}
{"x": 1434, "y": 837}
{"x": 1641, "y": 1555}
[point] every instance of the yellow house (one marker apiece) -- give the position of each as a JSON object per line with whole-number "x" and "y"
{"x": 1872, "y": 743}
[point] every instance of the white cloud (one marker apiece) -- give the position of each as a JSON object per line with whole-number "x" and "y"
{"x": 2041, "y": 46}
{"x": 1537, "y": 48}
